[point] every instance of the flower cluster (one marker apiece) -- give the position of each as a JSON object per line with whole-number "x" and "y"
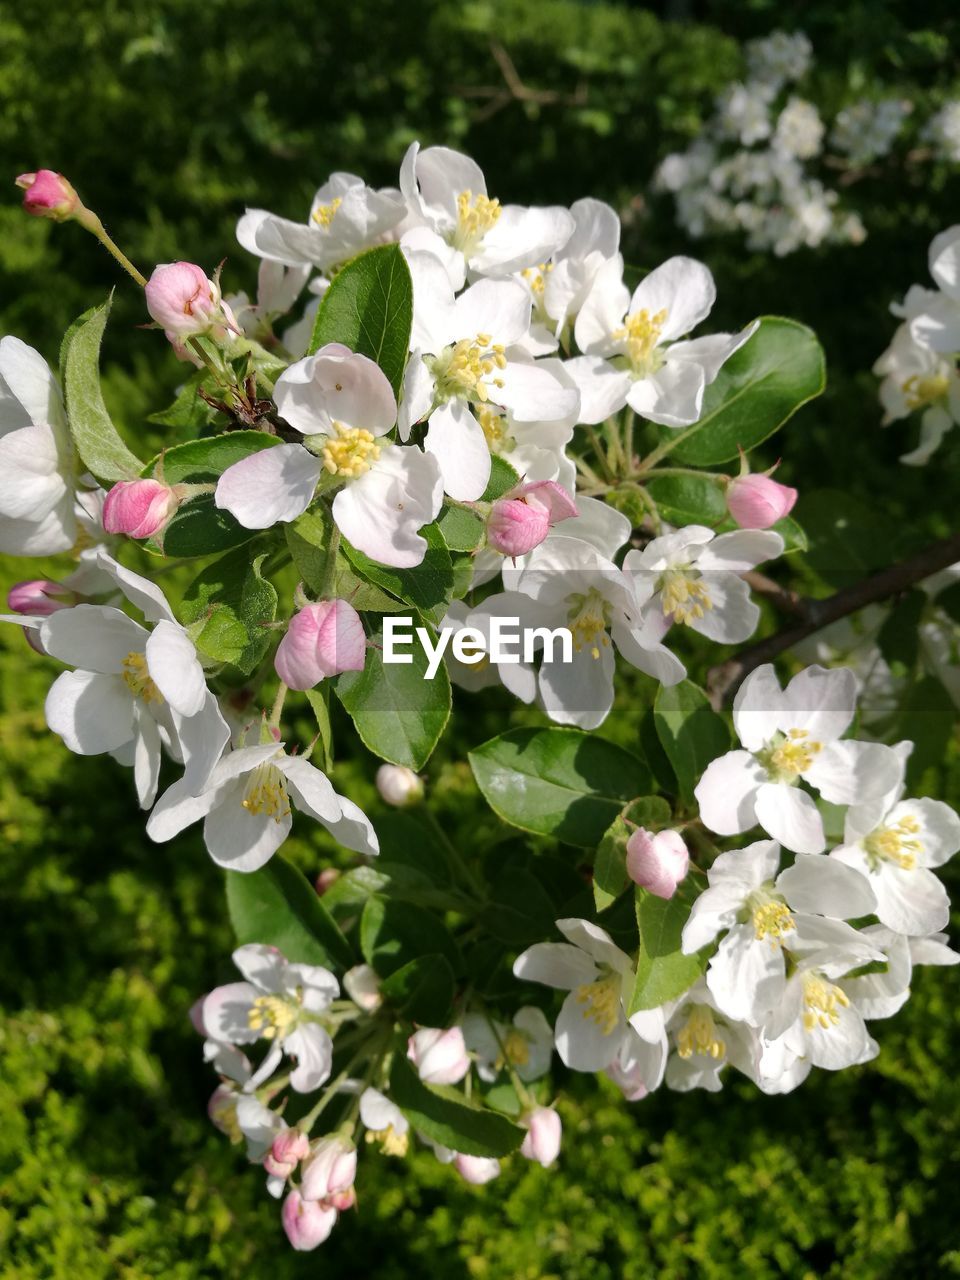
{"x": 920, "y": 367}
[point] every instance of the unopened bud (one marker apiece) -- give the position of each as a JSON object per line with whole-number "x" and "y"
{"x": 657, "y": 862}
{"x": 182, "y": 300}
{"x": 756, "y": 501}
{"x": 307, "y": 1222}
{"x": 399, "y": 786}
{"x": 363, "y": 987}
{"x": 48, "y": 195}
{"x": 322, "y": 640}
{"x": 330, "y": 1168}
{"x": 522, "y": 518}
{"x": 138, "y": 508}
{"x": 440, "y": 1056}
{"x": 289, "y": 1148}
{"x": 327, "y": 878}
{"x": 476, "y": 1169}
{"x": 39, "y": 597}
{"x": 544, "y": 1130}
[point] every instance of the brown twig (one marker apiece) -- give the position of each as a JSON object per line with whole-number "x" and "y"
{"x": 724, "y": 680}
{"x": 514, "y": 90}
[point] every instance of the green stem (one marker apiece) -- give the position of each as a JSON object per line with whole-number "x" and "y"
{"x": 714, "y": 476}
{"x": 277, "y": 709}
{"x": 601, "y": 454}
{"x": 665, "y": 447}
{"x": 92, "y": 223}
{"x": 330, "y": 566}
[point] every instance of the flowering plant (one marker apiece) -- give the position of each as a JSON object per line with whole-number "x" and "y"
{"x": 475, "y": 420}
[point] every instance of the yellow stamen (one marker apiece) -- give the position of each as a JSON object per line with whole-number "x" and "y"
{"x": 772, "y": 920}
{"x": 466, "y": 369}
{"x": 324, "y": 214}
{"x": 920, "y": 390}
{"x": 602, "y": 1002}
{"x": 640, "y": 334}
{"x": 896, "y": 843}
{"x": 516, "y": 1048}
{"x": 350, "y": 452}
{"x": 391, "y": 1142}
{"x": 699, "y": 1035}
{"x": 266, "y": 792}
{"x": 494, "y": 427}
{"x": 475, "y": 216}
{"x": 822, "y": 1003}
{"x": 588, "y": 617}
{"x": 536, "y": 278}
{"x": 790, "y": 755}
{"x": 684, "y": 595}
{"x": 272, "y": 1016}
{"x": 137, "y": 678}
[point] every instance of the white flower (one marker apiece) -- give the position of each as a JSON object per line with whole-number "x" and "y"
{"x": 866, "y": 130}
{"x": 743, "y": 112}
{"x": 385, "y": 1122}
{"x": 344, "y": 405}
{"x": 894, "y": 843}
{"x": 639, "y": 1066}
{"x": 799, "y": 130}
{"x": 705, "y": 1041}
{"x": 765, "y": 916}
{"x": 246, "y": 807}
{"x": 346, "y": 216}
{"x": 279, "y": 1002}
{"x": 526, "y": 1044}
{"x": 631, "y": 350}
{"x": 439, "y": 1055}
{"x": 37, "y": 462}
{"x": 592, "y": 1025}
{"x": 561, "y": 287}
{"x": 792, "y": 735}
{"x": 881, "y": 995}
{"x": 943, "y": 130}
{"x": 915, "y": 377}
{"x": 464, "y": 359}
{"x": 938, "y": 324}
{"x": 134, "y": 690}
{"x": 779, "y": 57}
{"x": 692, "y": 577}
{"x": 446, "y": 192}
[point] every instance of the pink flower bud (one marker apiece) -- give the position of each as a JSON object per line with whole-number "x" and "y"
{"x": 307, "y": 1222}
{"x": 521, "y": 519}
{"x": 138, "y": 508}
{"x": 476, "y": 1169}
{"x": 327, "y": 878}
{"x": 330, "y": 1168}
{"x": 657, "y": 863}
{"x": 222, "y": 1110}
{"x": 399, "y": 786}
{"x": 756, "y": 502}
{"x": 289, "y": 1148}
{"x": 48, "y": 195}
{"x": 323, "y": 639}
{"x": 363, "y": 987}
{"x": 542, "y": 1142}
{"x": 182, "y": 300}
{"x": 39, "y": 598}
{"x": 343, "y": 1200}
{"x": 439, "y": 1056}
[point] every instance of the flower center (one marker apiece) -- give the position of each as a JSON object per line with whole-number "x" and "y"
{"x": 463, "y": 370}
{"x": 536, "y": 278}
{"x": 787, "y": 756}
{"x": 324, "y": 214}
{"x": 588, "y": 617}
{"x": 266, "y": 792}
{"x": 272, "y": 1016}
{"x": 516, "y": 1048}
{"x": 640, "y": 334}
{"x": 136, "y": 677}
{"x": 391, "y": 1142}
{"x": 601, "y": 1002}
{"x": 475, "y": 216}
{"x": 684, "y": 595}
{"x": 772, "y": 919}
{"x": 919, "y": 390}
{"x": 350, "y": 452}
{"x": 895, "y": 844}
{"x": 822, "y": 1002}
{"x": 494, "y": 427}
{"x": 699, "y": 1035}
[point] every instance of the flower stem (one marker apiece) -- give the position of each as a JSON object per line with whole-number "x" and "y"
{"x": 92, "y": 223}
{"x": 277, "y": 709}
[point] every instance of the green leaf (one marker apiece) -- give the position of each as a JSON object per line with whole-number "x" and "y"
{"x": 428, "y": 586}
{"x": 610, "y": 877}
{"x": 369, "y": 308}
{"x": 926, "y": 717}
{"x": 422, "y": 991}
{"x": 98, "y": 442}
{"x": 393, "y": 933}
{"x": 235, "y": 604}
{"x": 663, "y": 971}
{"x": 200, "y": 528}
{"x": 503, "y": 477}
{"x": 444, "y": 1115}
{"x": 757, "y": 390}
{"x": 558, "y": 782}
{"x": 520, "y": 910}
{"x": 319, "y": 700}
{"x": 690, "y": 731}
{"x": 189, "y": 415}
{"x": 899, "y": 637}
{"x": 462, "y": 529}
{"x": 849, "y": 538}
{"x": 688, "y": 499}
{"x": 411, "y": 853}
{"x": 794, "y": 538}
{"x": 278, "y": 907}
{"x": 308, "y": 539}
{"x": 397, "y": 712}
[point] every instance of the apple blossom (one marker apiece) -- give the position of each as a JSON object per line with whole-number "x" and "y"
{"x": 329, "y": 1169}
{"x": 544, "y": 1131}
{"x": 789, "y": 736}
{"x": 322, "y": 640}
{"x": 938, "y": 325}
{"x": 439, "y": 1056}
{"x": 525, "y": 1045}
{"x": 915, "y": 377}
{"x": 477, "y": 1170}
{"x": 139, "y": 508}
{"x": 399, "y": 786}
{"x": 385, "y": 1123}
{"x": 657, "y": 862}
{"x": 48, "y": 195}
{"x": 289, "y": 1148}
{"x": 363, "y": 987}
{"x": 307, "y": 1223}
{"x": 756, "y": 501}
{"x": 182, "y": 300}
{"x": 638, "y": 1068}
{"x": 522, "y": 518}
{"x": 704, "y": 1041}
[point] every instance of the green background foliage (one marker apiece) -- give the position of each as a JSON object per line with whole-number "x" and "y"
{"x": 170, "y": 117}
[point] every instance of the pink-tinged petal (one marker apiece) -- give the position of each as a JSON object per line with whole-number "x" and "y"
{"x": 322, "y": 640}
{"x": 306, "y": 1223}
{"x": 657, "y": 862}
{"x": 262, "y": 965}
{"x": 790, "y": 816}
{"x": 683, "y": 288}
{"x": 727, "y": 793}
{"x": 92, "y": 713}
{"x": 757, "y": 501}
{"x": 274, "y": 485}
